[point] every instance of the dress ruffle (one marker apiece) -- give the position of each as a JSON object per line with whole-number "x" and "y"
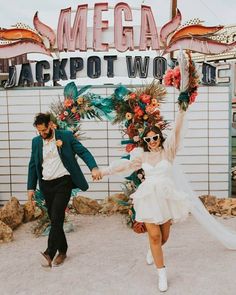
{"x": 157, "y": 200}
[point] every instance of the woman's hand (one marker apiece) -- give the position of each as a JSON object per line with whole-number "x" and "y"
{"x": 96, "y": 174}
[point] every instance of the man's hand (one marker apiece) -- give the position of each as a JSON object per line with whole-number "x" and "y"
{"x": 96, "y": 174}
{"x": 31, "y": 197}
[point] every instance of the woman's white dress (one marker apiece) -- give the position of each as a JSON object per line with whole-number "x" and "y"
{"x": 157, "y": 199}
{"x": 165, "y": 194}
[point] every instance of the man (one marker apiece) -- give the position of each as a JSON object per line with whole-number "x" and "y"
{"x": 53, "y": 165}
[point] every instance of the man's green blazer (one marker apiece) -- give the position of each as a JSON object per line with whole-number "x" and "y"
{"x": 70, "y": 147}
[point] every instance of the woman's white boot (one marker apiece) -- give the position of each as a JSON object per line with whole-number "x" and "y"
{"x": 162, "y": 284}
{"x": 149, "y": 258}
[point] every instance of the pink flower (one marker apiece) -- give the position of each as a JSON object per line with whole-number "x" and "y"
{"x": 172, "y": 77}
{"x": 136, "y": 138}
{"x": 168, "y": 78}
{"x": 176, "y": 77}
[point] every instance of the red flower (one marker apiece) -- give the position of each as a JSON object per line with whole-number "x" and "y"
{"x": 132, "y": 95}
{"x": 129, "y": 147}
{"x": 145, "y": 98}
{"x": 77, "y": 116}
{"x": 62, "y": 116}
{"x": 131, "y": 131}
{"x": 138, "y": 111}
{"x": 192, "y": 97}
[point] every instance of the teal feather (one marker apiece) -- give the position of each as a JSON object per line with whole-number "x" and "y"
{"x": 103, "y": 106}
{"x": 127, "y": 141}
{"x": 120, "y": 92}
{"x": 83, "y": 89}
{"x": 71, "y": 91}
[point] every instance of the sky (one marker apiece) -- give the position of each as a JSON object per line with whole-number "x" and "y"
{"x": 213, "y": 12}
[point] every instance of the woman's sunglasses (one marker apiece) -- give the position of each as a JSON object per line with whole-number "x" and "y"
{"x": 152, "y": 138}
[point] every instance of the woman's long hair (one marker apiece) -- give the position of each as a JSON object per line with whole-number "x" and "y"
{"x": 155, "y": 129}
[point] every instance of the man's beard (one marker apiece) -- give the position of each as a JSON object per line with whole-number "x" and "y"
{"x": 49, "y": 135}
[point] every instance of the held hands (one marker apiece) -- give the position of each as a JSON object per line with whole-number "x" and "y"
{"x": 96, "y": 174}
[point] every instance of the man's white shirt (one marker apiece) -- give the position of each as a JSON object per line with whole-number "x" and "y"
{"x": 52, "y": 165}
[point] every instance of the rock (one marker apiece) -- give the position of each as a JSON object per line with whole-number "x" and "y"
{"x": 85, "y": 205}
{"x": 219, "y": 206}
{"x": 210, "y": 202}
{"x": 6, "y": 233}
{"x": 29, "y": 212}
{"x": 224, "y": 206}
{"x": 12, "y": 213}
{"x": 233, "y": 207}
{"x": 111, "y": 204}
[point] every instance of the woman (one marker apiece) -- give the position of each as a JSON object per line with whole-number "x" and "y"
{"x": 157, "y": 202}
{"x": 164, "y": 196}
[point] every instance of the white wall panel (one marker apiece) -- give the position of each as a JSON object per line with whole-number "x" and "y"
{"x": 204, "y": 155}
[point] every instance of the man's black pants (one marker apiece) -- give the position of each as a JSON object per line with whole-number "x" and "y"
{"x": 57, "y": 194}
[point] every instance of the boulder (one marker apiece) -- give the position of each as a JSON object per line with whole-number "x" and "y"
{"x": 29, "y": 211}
{"x": 86, "y": 206}
{"x": 12, "y": 213}
{"x": 6, "y": 233}
{"x": 219, "y": 206}
{"x": 210, "y": 202}
{"x": 114, "y": 204}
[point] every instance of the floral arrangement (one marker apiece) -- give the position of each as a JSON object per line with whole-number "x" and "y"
{"x": 137, "y": 109}
{"x": 78, "y": 105}
{"x": 184, "y": 77}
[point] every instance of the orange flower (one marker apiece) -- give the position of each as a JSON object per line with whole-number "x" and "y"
{"x": 73, "y": 110}
{"x": 59, "y": 143}
{"x": 145, "y": 117}
{"x": 129, "y": 147}
{"x": 68, "y": 102}
{"x": 128, "y": 116}
{"x": 145, "y": 98}
{"x": 154, "y": 102}
{"x": 80, "y": 100}
{"x": 150, "y": 109}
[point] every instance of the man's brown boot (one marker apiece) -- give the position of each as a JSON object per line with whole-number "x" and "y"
{"x": 59, "y": 259}
{"x": 47, "y": 261}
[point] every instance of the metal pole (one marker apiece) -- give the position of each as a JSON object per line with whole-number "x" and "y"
{"x": 173, "y": 8}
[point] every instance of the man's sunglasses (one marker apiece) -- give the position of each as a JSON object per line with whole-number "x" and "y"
{"x": 152, "y": 138}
